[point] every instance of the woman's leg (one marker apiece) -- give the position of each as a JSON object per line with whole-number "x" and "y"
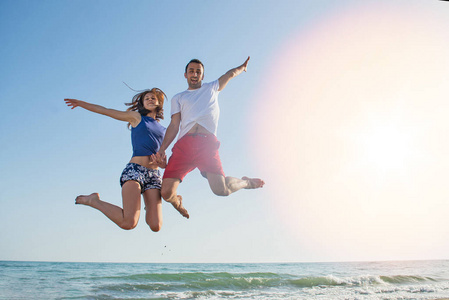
{"x": 153, "y": 205}
{"x": 126, "y": 217}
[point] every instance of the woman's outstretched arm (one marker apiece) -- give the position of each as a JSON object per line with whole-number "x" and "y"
{"x": 132, "y": 117}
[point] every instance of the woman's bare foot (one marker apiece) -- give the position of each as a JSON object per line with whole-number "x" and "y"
{"x": 178, "y": 206}
{"x": 87, "y": 199}
{"x": 253, "y": 183}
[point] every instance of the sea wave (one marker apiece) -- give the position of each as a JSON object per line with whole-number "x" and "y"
{"x": 421, "y": 280}
{"x": 244, "y": 281}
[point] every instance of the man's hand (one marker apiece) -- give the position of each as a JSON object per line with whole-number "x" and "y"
{"x": 245, "y": 64}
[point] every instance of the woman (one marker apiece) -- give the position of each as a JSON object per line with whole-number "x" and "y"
{"x": 141, "y": 174}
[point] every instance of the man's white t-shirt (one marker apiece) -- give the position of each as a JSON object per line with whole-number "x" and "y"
{"x": 197, "y": 106}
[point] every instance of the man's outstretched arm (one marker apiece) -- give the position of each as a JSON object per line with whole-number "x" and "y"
{"x": 224, "y": 79}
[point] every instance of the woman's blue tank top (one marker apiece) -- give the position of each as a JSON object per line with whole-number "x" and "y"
{"x": 147, "y": 137}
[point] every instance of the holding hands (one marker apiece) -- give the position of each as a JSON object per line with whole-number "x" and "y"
{"x": 160, "y": 159}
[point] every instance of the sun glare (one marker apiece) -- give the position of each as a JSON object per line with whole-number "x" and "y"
{"x": 361, "y": 108}
{"x": 386, "y": 147}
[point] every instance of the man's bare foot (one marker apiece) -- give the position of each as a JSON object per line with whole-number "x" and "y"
{"x": 178, "y": 206}
{"x": 253, "y": 183}
{"x": 87, "y": 199}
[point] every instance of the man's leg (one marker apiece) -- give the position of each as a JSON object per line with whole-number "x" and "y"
{"x": 168, "y": 192}
{"x": 224, "y": 186}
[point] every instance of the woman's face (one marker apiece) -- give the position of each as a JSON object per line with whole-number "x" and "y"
{"x": 150, "y": 101}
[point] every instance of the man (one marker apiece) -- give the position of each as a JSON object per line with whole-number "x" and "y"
{"x": 194, "y": 114}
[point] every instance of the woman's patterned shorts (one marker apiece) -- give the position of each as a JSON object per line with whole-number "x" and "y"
{"x": 147, "y": 178}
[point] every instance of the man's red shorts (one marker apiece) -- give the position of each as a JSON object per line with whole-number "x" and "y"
{"x": 194, "y": 151}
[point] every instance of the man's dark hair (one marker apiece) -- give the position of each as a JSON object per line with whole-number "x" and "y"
{"x": 197, "y": 61}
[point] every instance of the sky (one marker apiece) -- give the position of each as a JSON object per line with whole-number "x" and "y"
{"x": 343, "y": 113}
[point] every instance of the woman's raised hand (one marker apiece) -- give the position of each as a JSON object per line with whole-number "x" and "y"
{"x": 72, "y": 102}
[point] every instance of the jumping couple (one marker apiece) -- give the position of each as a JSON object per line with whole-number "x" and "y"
{"x": 194, "y": 119}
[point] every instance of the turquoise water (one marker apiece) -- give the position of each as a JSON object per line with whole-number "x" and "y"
{"x": 357, "y": 280}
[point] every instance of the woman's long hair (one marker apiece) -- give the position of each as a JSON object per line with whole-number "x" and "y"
{"x": 137, "y": 103}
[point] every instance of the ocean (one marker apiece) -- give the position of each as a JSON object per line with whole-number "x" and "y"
{"x": 352, "y": 280}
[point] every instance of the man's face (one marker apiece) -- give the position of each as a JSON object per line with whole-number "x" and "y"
{"x": 194, "y": 75}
